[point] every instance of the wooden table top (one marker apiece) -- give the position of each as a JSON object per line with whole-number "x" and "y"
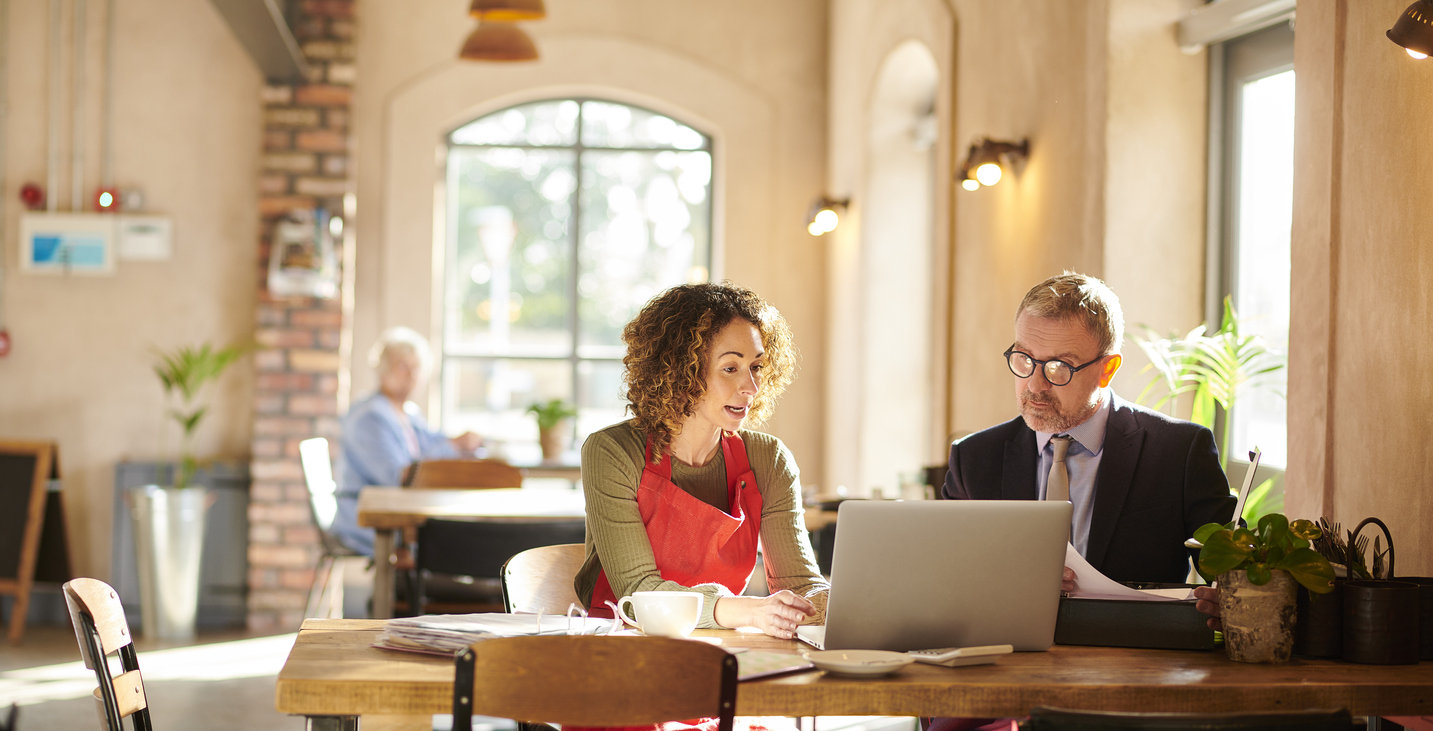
{"x": 398, "y": 507}
{"x": 332, "y": 670}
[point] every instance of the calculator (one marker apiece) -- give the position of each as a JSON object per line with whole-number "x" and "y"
{"x": 952, "y": 657}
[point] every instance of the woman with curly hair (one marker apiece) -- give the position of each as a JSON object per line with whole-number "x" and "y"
{"x": 678, "y": 495}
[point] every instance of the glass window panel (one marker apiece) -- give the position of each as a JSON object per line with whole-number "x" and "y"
{"x": 643, "y": 230}
{"x": 549, "y": 123}
{"x": 510, "y": 243}
{"x": 605, "y": 124}
{"x": 601, "y": 399}
{"x": 490, "y": 396}
{"x": 1265, "y": 216}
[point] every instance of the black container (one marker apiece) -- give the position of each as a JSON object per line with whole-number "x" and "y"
{"x": 1318, "y": 631}
{"x": 1380, "y": 618}
{"x": 1425, "y": 615}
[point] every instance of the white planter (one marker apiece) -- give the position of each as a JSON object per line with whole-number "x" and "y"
{"x": 169, "y": 545}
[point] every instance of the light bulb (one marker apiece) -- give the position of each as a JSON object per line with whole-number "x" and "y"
{"x": 988, "y": 174}
{"x": 815, "y": 229}
{"x": 1416, "y": 54}
{"x": 970, "y": 184}
{"x": 106, "y": 199}
{"x": 826, "y": 220}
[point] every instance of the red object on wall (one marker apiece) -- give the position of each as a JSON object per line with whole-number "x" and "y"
{"x": 33, "y": 196}
{"x": 107, "y": 199}
{"x": 4, "y": 343}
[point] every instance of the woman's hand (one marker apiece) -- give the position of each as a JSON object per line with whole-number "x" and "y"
{"x": 776, "y": 615}
{"x": 1208, "y": 603}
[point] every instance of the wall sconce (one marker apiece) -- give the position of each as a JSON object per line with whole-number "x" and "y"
{"x": 984, "y": 163}
{"x": 823, "y": 218}
{"x": 1414, "y": 30}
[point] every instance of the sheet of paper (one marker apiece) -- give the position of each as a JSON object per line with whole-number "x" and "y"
{"x": 1095, "y": 585}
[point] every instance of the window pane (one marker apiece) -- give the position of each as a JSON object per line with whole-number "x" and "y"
{"x": 541, "y": 123}
{"x": 491, "y": 396}
{"x": 617, "y": 125}
{"x": 645, "y": 227}
{"x": 601, "y": 400}
{"x": 1261, "y": 293}
{"x": 510, "y": 256}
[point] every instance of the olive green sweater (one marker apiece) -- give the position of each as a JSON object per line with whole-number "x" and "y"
{"x": 617, "y": 540}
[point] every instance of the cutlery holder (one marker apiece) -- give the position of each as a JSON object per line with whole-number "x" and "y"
{"x": 1380, "y": 617}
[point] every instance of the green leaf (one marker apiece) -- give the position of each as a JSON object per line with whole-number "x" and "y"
{"x": 1221, "y": 553}
{"x": 1309, "y": 569}
{"x": 1259, "y": 574}
{"x": 1305, "y": 529}
{"x": 1273, "y": 529}
{"x": 1206, "y": 530}
{"x": 1246, "y": 539}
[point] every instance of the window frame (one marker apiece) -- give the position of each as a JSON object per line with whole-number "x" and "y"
{"x": 574, "y": 357}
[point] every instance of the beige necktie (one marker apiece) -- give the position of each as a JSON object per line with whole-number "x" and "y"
{"x": 1057, "y": 485}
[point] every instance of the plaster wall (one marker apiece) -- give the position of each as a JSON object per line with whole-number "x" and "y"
{"x": 757, "y": 86}
{"x": 1358, "y": 403}
{"x": 186, "y": 131}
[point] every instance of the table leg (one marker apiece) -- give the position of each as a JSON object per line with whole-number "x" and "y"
{"x": 331, "y": 723}
{"x": 382, "y": 575}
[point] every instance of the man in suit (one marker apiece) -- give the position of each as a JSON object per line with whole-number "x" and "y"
{"x": 1141, "y": 482}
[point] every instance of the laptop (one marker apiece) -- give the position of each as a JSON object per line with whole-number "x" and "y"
{"x": 944, "y": 573}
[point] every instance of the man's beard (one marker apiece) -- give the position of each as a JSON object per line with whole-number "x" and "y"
{"x": 1056, "y": 421}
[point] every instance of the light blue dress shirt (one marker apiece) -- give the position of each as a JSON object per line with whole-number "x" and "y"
{"x": 1083, "y": 463}
{"x": 374, "y": 450}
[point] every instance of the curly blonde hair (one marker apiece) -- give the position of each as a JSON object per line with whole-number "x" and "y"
{"x": 667, "y": 358}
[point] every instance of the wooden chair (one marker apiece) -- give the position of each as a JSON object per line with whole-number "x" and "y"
{"x": 594, "y": 681}
{"x": 540, "y": 579}
{"x": 101, "y": 629}
{"x": 323, "y": 505}
{"x": 1059, "y": 719}
{"x": 468, "y": 474}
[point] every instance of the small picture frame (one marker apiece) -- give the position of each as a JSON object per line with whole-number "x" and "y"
{"x": 67, "y": 243}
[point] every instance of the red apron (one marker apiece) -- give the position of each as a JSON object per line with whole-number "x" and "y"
{"x": 693, "y": 542}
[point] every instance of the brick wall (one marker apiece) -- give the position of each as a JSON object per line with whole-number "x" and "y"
{"x": 296, "y": 396}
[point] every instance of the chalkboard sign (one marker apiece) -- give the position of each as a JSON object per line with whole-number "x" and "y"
{"x": 25, "y": 468}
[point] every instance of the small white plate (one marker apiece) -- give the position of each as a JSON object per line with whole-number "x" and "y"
{"x": 859, "y": 663}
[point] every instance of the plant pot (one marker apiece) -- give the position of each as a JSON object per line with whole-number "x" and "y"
{"x": 1258, "y": 620}
{"x": 169, "y": 544}
{"x": 554, "y": 440}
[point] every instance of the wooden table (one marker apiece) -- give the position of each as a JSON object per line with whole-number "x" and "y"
{"x": 332, "y": 672}
{"x": 561, "y": 469}
{"x": 391, "y": 509}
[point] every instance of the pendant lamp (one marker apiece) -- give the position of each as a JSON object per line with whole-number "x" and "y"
{"x": 498, "y": 42}
{"x": 1414, "y": 29}
{"x": 507, "y": 11}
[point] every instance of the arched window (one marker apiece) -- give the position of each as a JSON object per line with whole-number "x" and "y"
{"x": 563, "y": 218}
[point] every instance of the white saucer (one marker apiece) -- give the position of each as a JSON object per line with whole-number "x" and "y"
{"x": 859, "y": 663}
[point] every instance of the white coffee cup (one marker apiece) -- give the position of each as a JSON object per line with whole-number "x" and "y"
{"x": 663, "y": 613}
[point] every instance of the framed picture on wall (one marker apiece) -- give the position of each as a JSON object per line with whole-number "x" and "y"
{"x": 67, "y": 243}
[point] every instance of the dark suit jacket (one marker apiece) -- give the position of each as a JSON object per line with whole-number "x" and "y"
{"x": 1159, "y": 480}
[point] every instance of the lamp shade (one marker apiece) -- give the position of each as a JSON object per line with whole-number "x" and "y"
{"x": 507, "y": 11}
{"x": 498, "y": 42}
{"x": 1414, "y": 29}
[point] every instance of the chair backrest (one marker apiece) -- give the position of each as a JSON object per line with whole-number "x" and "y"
{"x": 469, "y": 474}
{"x": 101, "y": 629}
{"x": 540, "y": 579}
{"x": 318, "y": 475}
{"x": 594, "y": 681}
{"x": 1060, "y": 719}
{"x": 481, "y": 547}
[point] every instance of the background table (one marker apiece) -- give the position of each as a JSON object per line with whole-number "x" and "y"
{"x": 332, "y": 671}
{"x": 390, "y": 509}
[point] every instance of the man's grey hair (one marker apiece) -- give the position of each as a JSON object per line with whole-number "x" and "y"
{"x": 399, "y": 341}
{"x": 1084, "y": 299}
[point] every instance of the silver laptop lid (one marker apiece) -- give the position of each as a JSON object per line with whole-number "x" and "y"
{"x": 946, "y": 573}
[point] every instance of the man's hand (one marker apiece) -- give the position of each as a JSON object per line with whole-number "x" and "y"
{"x": 1069, "y": 582}
{"x": 776, "y": 615}
{"x": 467, "y": 441}
{"x": 1208, "y": 604}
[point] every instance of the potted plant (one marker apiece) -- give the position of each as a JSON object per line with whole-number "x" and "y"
{"x": 1256, "y": 573}
{"x": 552, "y": 417}
{"x": 169, "y": 519}
{"x": 1213, "y": 368}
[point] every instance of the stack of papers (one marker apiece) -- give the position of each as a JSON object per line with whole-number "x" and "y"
{"x": 1095, "y": 585}
{"x": 445, "y": 634}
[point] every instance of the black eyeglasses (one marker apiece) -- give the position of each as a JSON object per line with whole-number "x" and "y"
{"x": 1057, "y": 372}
